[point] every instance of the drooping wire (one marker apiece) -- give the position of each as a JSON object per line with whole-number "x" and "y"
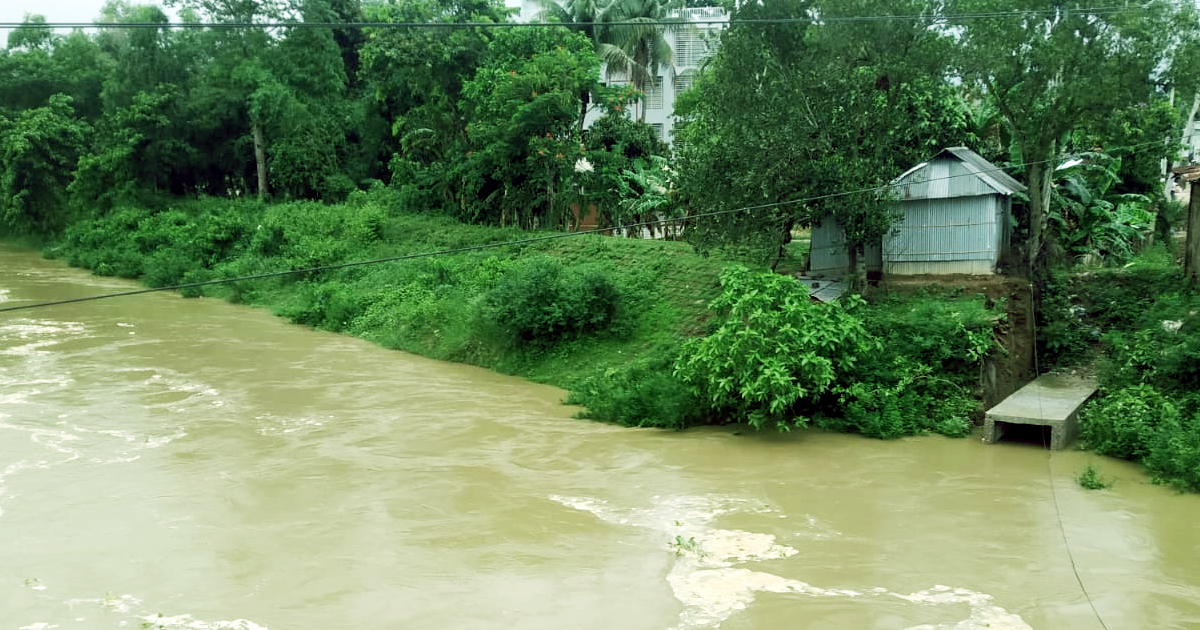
{"x": 816, "y": 20}
{"x": 1062, "y": 528}
{"x": 536, "y": 239}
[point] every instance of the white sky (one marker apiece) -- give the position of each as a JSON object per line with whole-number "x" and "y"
{"x": 54, "y": 10}
{"x": 57, "y": 11}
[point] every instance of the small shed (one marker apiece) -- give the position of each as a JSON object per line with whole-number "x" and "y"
{"x": 953, "y": 219}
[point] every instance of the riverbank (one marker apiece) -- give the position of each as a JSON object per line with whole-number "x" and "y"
{"x": 606, "y": 318}
{"x": 609, "y": 318}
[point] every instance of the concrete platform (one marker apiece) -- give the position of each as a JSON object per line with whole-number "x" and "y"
{"x": 1050, "y": 400}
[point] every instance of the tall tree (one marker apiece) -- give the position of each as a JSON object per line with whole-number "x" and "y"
{"x": 794, "y": 111}
{"x": 523, "y": 106}
{"x": 38, "y": 153}
{"x": 635, "y": 45}
{"x": 1050, "y": 65}
{"x": 235, "y": 89}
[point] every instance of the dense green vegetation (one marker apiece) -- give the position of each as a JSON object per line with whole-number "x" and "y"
{"x": 184, "y": 155}
{"x": 1142, "y": 321}
{"x": 605, "y": 317}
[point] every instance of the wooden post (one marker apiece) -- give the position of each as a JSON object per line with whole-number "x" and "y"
{"x": 1191, "y": 252}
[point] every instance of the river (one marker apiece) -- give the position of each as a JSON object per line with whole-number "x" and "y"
{"x": 193, "y": 464}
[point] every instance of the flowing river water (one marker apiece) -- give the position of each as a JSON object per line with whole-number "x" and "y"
{"x": 175, "y": 463}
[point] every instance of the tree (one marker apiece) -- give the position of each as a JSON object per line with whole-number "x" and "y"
{"x": 413, "y": 79}
{"x": 635, "y": 45}
{"x": 1050, "y": 65}
{"x": 233, "y": 92}
{"x": 523, "y": 104}
{"x": 38, "y": 152}
{"x": 32, "y": 34}
{"x": 790, "y": 117}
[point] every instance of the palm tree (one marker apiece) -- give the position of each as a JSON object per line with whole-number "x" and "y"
{"x": 628, "y": 33}
{"x": 635, "y": 43}
{"x": 574, "y": 11}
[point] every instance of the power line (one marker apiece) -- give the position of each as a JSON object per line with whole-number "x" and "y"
{"x": 536, "y": 239}
{"x": 819, "y": 20}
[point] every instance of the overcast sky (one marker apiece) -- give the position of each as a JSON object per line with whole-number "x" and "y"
{"x": 54, "y": 10}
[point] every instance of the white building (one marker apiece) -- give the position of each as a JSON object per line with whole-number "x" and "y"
{"x": 690, "y": 47}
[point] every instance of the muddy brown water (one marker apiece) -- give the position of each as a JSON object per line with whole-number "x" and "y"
{"x": 193, "y": 464}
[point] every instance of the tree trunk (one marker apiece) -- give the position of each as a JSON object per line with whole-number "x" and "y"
{"x": 857, "y": 272}
{"x": 1041, "y": 176}
{"x": 1191, "y": 255}
{"x": 260, "y": 159}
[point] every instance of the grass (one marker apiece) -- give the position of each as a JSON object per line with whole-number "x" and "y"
{"x": 1090, "y": 479}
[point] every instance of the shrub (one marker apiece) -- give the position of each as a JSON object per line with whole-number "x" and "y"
{"x": 1174, "y": 456}
{"x": 909, "y": 401}
{"x": 643, "y": 393}
{"x": 1063, "y": 333}
{"x": 307, "y": 234}
{"x": 772, "y": 349}
{"x": 540, "y": 300}
{"x": 1124, "y": 423}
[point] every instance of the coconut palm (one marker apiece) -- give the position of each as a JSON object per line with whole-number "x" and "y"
{"x": 586, "y": 12}
{"x": 634, "y": 44}
{"x": 628, "y": 33}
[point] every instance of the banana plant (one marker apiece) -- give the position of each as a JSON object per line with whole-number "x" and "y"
{"x": 1088, "y": 220}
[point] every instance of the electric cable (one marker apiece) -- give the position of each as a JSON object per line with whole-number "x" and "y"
{"x": 816, "y": 20}
{"x": 1062, "y": 528}
{"x": 536, "y": 239}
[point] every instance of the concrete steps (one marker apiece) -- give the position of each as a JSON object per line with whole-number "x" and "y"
{"x": 1050, "y": 400}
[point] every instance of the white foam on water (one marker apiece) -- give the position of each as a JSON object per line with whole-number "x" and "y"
{"x": 707, "y": 580}
{"x": 41, "y": 625}
{"x": 271, "y": 425}
{"x": 188, "y": 622}
{"x": 4, "y": 293}
{"x": 37, "y": 334}
{"x": 146, "y": 619}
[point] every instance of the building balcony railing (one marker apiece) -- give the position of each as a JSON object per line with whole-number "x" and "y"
{"x": 704, "y": 13}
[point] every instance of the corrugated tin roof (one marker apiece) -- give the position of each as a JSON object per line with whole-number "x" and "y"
{"x": 992, "y": 174}
{"x": 822, "y": 289}
{"x": 981, "y": 177}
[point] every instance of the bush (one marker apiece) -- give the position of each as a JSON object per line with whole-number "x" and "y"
{"x": 308, "y": 234}
{"x": 1140, "y": 423}
{"x": 1063, "y": 332}
{"x": 910, "y": 401}
{"x": 644, "y": 393}
{"x": 772, "y": 349}
{"x": 1174, "y": 456}
{"x": 539, "y": 300}
{"x": 1124, "y": 423}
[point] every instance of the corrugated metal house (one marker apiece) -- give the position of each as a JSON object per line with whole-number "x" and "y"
{"x": 954, "y": 218}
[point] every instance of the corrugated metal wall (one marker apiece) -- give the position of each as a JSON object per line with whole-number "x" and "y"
{"x": 941, "y": 178}
{"x": 827, "y": 251}
{"x": 941, "y": 230}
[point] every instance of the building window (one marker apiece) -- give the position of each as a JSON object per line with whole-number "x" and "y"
{"x": 691, "y": 47}
{"x": 658, "y": 130}
{"x": 683, "y": 83}
{"x": 654, "y": 94}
